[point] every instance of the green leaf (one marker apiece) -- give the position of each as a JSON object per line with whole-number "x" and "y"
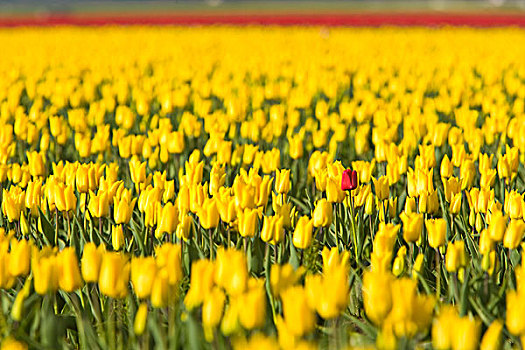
{"x": 47, "y": 228}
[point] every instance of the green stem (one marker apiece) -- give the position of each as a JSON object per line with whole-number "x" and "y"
{"x": 354, "y": 233}
{"x": 438, "y": 277}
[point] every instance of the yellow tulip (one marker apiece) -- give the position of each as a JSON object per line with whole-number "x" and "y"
{"x": 90, "y": 262}
{"x": 437, "y": 231}
{"x": 69, "y": 277}
{"x": 114, "y": 275}
{"x": 143, "y": 271}
{"x": 167, "y": 220}
{"x": 247, "y": 222}
{"x": 302, "y": 235}
{"x": 322, "y": 215}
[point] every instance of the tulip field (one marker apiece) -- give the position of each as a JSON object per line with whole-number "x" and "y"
{"x": 262, "y": 188}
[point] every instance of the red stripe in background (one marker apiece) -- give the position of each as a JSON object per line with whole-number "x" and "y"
{"x": 367, "y": 19}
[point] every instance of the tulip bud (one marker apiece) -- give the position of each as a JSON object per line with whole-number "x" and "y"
{"x": 486, "y": 244}
{"x": 272, "y": 230}
{"x": 455, "y": 204}
{"x": 446, "y": 169}
{"x": 369, "y": 204}
{"x": 24, "y": 226}
{"x": 117, "y": 237}
{"x": 160, "y": 290}
{"x": 230, "y": 320}
{"x": 18, "y": 304}
{"x": 514, "y": 204}
{"x": 334, "y": 193}
{"x": 201, "y": 283}
{"x": 123, "y": 208}
{"x": 139, "y": 325}
{"x": 418, "y": 263}
{"x": 36, "y": 163}
{"x": 492, "y": 338}
{"x": 137, "y": 172}
{"x": 467, "y": 174}
{"x": 399, "y": 262}
{"x": 217, "y": 178}
{"x": 410, "y": 205}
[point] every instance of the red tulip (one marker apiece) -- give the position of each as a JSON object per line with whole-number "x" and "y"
{"x": 349, "y": 180}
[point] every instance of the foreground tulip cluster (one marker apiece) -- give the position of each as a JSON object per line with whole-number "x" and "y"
{"x": 289, "y": 188}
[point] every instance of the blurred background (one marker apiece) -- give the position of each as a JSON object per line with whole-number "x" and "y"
{"x": 68, "y": 6}
{"x": 315, "y": 12}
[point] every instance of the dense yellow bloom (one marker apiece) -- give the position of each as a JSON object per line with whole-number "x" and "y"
{"x": 201, "y": 140}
